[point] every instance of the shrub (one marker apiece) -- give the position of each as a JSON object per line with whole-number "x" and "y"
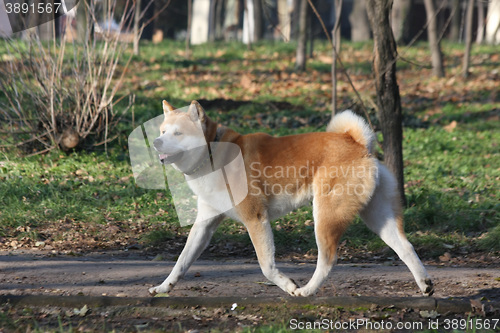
{"x": 62, "y": 93}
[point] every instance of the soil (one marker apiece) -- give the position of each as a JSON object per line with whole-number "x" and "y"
{"x": 131, "y": 273}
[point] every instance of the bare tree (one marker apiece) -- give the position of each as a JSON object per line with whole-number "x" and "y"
{"x": 295, "y": 14}
{"x": 360, "y": 28}
{"x": 219, "y": 19}
{"x": 388, "y": 99}
{"x": 188, "y": 32}
{"x": 468, "y": 38}
{"x": 247, "y": 23}
{"x": 141, "y": 15}
{"x": 300, "y": 61}
{"x": 310, "y": 36}
{"x": 82, "y": 22}
{"x": 258, "y": 31}
{"x": 231, "y": 19}
{"x": 480, "y": 22}
{"x": 434, "y": 42}
{"x": 400, "y": 17}
{"x": 455, "y": 20}
{"x": 284, "y": 19}
{"x": 336, "y": 49}
{"x": 137, "y": 19}
{"x": 211, "y": 21}
{"x": 493, "y": 22}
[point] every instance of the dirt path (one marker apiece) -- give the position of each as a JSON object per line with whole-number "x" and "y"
{"x": 131, "y": 274}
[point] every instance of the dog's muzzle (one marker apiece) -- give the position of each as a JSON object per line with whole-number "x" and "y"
{"x": 164, "y": 157}
{"x": 169, "y": 158}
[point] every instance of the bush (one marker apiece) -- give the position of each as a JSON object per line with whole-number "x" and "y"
{"x": 61, "y": 94}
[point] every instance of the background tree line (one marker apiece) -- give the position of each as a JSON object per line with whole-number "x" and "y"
{"x": 279, "y": 19}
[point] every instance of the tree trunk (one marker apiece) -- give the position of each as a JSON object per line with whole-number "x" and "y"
{"x": 219, "y": 20}
{"x": 480, "y": 22}
{"x": 360, "y": 28}
{"x": 295, "y": 17}
{"x": 211, "y": 21}
{"x": 137, "y": 18}
{"x": 300, "y": 62}
{"x": 231, "y": 19}
{"x": 468, "y": 38}
{"x": 493, "y": 22}
{"x": 82, "y": 22}
{"x": 335, "y": 52}
{"x": 248, "y": 23}
{"x": 434, "y": 42}
{"x": 455, "y": 21}
{"x": 199, "y": 21}
{"x": 258, "y": 31}
{"x": 388, "y": 99}
{"x": 188, "y": 30}
{"x": 310, "y": 35}
{"x": 284, "y": 19}
{"x": 46, "y": 31}
{"x": 400, "y": 20}
{"x": 28, "y": 24}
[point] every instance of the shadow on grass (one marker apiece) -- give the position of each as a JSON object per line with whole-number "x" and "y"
{"x": 480, "y": 121}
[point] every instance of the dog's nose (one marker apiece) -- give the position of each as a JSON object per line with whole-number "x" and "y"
{"x": 158, "y": 143}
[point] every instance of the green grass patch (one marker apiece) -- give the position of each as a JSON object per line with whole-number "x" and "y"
{"x": 452, "y": 175}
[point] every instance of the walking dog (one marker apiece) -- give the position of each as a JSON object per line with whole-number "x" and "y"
{"x": 334, "y": 169}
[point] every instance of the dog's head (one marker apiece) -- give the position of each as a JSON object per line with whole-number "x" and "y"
{"x": 181, "y": 132}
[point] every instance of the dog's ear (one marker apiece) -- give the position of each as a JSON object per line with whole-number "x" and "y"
{"x": 167, "y": 107}
{"x": 196, "y": 112}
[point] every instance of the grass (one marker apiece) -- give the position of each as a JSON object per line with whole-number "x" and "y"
{"x": 89, "y": 199}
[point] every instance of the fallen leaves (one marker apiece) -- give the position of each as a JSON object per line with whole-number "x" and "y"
{"x": 450, "y": 127}
{"x": 445, "y": 257}
{"x": 79, "y": 312}
{"x": 429, "y": 314}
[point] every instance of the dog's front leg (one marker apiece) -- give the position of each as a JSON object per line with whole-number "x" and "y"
{"x": 197, "y": 241}
{"x": 261, "y": 235}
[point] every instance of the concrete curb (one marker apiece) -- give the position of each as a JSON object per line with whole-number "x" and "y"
{"x": 421, "y": 303}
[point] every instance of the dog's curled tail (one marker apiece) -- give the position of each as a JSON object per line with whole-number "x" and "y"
{"x": 355, "y": 126}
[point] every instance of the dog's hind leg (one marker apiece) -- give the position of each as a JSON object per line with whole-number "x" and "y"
{"x": 197, "y": 241}
{"x": 330, "y": 222}
{"x": 261, "y": 235}
{"x": 383, "y": 216}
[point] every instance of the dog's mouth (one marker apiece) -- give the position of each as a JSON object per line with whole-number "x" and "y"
{"x": 169, "y": 158}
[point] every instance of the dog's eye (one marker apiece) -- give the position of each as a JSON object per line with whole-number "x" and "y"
{"x": 176, "y": 133}
{"x": 162, "y": 132}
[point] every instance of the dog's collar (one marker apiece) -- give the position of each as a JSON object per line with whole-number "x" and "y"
{"x": 218, "y": 136}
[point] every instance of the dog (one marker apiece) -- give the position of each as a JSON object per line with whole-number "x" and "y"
{"x": 336, "y": 170}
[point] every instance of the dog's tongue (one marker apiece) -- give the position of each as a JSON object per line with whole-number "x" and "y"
{"x": 163, "y": 156}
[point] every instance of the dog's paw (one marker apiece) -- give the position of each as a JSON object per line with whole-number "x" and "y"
{"x": 429, "y": 289}
{"x": 153, "y": 291}
{"x": 161, "y": 289}
{"x": 291, "y": 287}
{"x": 304, "y": 292}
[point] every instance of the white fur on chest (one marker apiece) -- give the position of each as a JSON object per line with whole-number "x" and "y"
{"x": 212, "y": 189}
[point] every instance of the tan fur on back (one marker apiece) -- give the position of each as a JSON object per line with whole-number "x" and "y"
{"x": 327, "y": 160}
